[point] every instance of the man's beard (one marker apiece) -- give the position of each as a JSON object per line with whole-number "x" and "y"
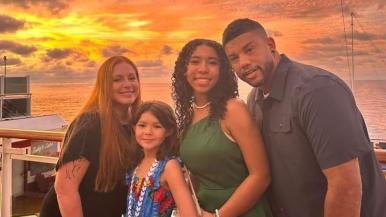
{"x": 265, "y": 71}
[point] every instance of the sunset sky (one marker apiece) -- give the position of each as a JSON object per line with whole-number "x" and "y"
{"x": 66, "y": 40}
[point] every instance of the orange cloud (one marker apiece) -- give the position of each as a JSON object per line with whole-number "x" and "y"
{"x": 83, "y": 33}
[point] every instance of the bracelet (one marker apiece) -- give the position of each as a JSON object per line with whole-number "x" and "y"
{"x": 217, "y": 213}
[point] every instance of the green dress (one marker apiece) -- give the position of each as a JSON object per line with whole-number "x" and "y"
{"x": 218, "y": 164}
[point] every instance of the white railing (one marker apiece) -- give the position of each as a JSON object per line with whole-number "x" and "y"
{"x": 8, "y": 154}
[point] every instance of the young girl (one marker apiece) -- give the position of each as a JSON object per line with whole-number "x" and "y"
{"x": 157, "y": 183}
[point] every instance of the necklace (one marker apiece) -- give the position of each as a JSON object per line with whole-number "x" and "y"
{"x": 200, "y": 107}
{"x": 146, "y": 183}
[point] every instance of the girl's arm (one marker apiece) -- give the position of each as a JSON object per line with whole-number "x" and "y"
{"x": 66, "y": 185}
{"x": 176, "y": 183}
{"x": 239, "y": 124}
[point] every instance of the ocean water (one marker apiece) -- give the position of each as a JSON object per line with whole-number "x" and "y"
{"x": 66, "y": 100}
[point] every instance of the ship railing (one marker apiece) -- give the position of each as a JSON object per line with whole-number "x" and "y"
{"x": 8, "y": 154}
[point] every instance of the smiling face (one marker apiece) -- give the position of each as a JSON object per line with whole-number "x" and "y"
{"x": 125, "y": 87}
{"x": 252, "y": 57}
{"x": 149, "y": 132}
{"x": 203, "y": 69}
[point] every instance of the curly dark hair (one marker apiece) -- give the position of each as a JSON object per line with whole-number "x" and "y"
{"x": 182, "y": 92}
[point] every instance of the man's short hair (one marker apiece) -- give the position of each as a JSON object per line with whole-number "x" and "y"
{"x": 241, "y": 26}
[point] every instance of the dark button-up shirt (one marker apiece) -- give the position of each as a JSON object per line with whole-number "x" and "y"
{"x": 310, "y": 122}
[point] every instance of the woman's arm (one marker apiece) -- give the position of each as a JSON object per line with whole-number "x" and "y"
{"x": 66, "y": 185}
{"x": 239, "y": 124}
{"x": 176, "y": 183}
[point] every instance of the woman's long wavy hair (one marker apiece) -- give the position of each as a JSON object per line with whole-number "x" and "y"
{"x": 165, "y": 115}
{"x": 115, "y": 142}
{"x": 182, "y": 92}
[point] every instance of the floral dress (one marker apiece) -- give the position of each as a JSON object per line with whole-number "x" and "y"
{"x": 146, "y": 197}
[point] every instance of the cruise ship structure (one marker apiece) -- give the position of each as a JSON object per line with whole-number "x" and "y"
{"x": 27, "y": 163}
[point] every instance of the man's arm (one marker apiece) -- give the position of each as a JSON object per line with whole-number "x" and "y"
{"x": 344, "y": 190}
{"x": 334, "y": 126}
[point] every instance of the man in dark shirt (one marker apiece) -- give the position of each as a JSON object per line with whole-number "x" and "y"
{"x": 322, "y": 162}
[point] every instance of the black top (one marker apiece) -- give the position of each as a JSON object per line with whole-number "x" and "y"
{"x": 310, "y": 123}
{"x": 83, "y": 139}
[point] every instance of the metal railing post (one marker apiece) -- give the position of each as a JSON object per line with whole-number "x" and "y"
{"x": 6, "y": 180}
